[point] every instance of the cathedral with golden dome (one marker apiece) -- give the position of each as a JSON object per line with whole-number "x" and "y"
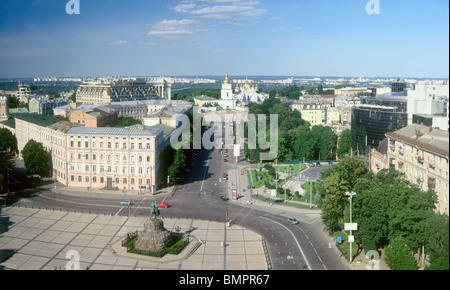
{"x": 243, "y": 93}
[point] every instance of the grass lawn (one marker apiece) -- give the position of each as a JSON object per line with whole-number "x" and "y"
{"x": 260, "y": 177}
{"x": 294, "y": 168}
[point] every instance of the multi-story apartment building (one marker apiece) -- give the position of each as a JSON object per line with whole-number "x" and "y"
{"x": 117, "y": 90}
{"x": 428, "y": 104}
{"x": 121, "y": 158}
{"x": 45, "y": 106}
{"x": 422, "y": 154}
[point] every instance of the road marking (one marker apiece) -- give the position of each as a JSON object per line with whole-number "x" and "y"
{"x": 298, "y": 244}
{"x": 119, "y": 211}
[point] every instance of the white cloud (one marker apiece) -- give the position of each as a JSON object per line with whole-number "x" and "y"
{"x": 221, "y": 9}
{"x": 120, "y": 42}
{"x": 147, "y": 43}
{"x": 172, "y": 28}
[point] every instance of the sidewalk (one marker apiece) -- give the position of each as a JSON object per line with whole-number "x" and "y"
{"x": 82, "y": 191}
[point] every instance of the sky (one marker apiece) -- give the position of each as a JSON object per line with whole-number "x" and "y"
{"x": 349, "y": 38}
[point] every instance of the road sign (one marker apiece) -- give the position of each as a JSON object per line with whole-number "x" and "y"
{"x": 339, "y": 239}
{"x": 351, "y": 226}
{"x": 237, "y": 150}
{"x": 351, "y": 239}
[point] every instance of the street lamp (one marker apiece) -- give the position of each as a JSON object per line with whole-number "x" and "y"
{"x": 350, "y": 237}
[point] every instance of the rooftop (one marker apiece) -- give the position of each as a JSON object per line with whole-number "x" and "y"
{"x": 425, "y": 137}
{"x": 40, "y": 120}
{"x": 136, "y": 130}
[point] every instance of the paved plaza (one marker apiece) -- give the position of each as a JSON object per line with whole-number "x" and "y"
{"x": 32, "y": 239}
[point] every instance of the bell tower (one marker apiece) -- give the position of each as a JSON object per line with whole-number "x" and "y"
{"x": 227, "y": 89}
{"x": 4, "y": 108}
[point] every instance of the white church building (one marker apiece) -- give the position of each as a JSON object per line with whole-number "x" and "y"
{"x": 242, "y": 94}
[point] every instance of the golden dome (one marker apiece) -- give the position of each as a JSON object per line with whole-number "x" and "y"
{"x": 226, "y": 81}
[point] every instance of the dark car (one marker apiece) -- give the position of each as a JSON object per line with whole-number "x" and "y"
{"x": 224, "y": 198}
{"x": 318, "y": 164}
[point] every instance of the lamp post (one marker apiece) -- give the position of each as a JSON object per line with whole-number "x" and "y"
{"x": 350, "y": 194}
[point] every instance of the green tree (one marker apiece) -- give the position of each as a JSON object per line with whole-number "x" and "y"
{"x": 345, "y": 144}
{"x": 123, "y": 122}
{"x": 437, "y": 244}
{"x": 36, "y": 159}
{"x": 179, "y": 162}
{"x": 304, "y": 146}
{"x": 7, "y": 140}
{"x": 335, "y": 201}
{"x": 399, "y": 256}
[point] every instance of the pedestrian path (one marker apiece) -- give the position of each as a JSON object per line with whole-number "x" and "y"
{"x": 34, "y": 239}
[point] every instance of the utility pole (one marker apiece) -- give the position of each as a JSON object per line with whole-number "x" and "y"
{"x": 350, "y": 238}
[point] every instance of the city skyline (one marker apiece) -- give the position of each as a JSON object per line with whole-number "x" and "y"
{"x": 209, "y": 37}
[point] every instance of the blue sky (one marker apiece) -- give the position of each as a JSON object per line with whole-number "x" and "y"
{"x": 407, "y": 38}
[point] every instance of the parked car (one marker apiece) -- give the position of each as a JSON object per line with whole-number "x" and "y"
{"x": 127, "y": 202}
{"x": 311, "y": 164}
{"x": 318, "y": 164}
{"x": 163, "y": 205}
{"x": 293, "y": 221}
{"x": 225, "y": 176}
{"x": 330, "y": 163}
{"x": 224, "y": 198}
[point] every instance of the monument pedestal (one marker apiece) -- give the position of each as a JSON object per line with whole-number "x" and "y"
{"x": 154, "y": 238}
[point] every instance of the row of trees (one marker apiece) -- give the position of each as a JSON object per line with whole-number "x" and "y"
{"x": 389, "y": 212}
{"x": 296, "y": 140}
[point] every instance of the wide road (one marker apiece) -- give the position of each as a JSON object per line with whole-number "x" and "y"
{"x": 290, "y": 247}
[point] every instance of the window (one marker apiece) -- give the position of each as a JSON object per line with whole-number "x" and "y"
{"x": 140, "y": 158}
{"x": 79, "y": 144}
{"x": 109, "y": 145}
{"x": 72, "y": 178}
{"x": 140, "y": 145}
{"x": 140, "y": 170}
{"x": 124, "y": 157}
{"x": 94, "y": 179}
{"x": 71, "y": 144}
{"x": 87, "y": 178}
{"x": 124, "y": 181}
{"x": 87, "y": 156}
{"x": 124, "y": 145}
{"x": 86, "y": 168}
{"x": 94, "y": 156}
{"x": 148, "y": 146}
{"x": 86, "y": 144}
{"x": 132, "y": 146}
{"x": 132, "y": 170}
{"x": 79, "y": 178}
{"x": 117, "y": 145}
{"x": 101, "y": 145}
{"x": 94, "y": 168}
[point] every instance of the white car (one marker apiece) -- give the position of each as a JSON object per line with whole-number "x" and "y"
{"x": 293, "y": 221}
{"x": 125, "y": 202}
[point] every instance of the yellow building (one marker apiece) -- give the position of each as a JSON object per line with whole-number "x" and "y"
{"x": 422, "y": 154}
